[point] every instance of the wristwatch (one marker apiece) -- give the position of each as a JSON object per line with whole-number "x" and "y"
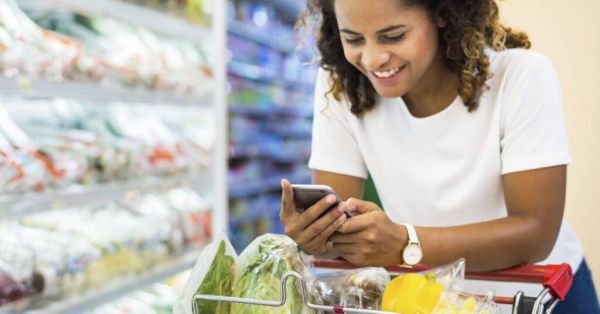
{"x": 412, "y": 253}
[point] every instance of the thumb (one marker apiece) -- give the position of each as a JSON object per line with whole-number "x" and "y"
{"x": 288, "y": 209}
{"x": 360, "y": 207}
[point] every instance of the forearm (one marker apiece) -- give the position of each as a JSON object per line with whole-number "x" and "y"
{"x": 489, "y": 245}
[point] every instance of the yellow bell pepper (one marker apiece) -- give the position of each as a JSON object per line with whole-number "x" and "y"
{"x": 412, "y": 294}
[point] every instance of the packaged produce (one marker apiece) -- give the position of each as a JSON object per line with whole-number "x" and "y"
{"x": 417, "y": 293}
{"x": 461, "y": 303}
{"x": 360, "y": 288}
{"x": 256, "y": 274}
{"x": 261, "y": 267}
{"x": 213, "y": 274}
{"x": 19, "y": 280}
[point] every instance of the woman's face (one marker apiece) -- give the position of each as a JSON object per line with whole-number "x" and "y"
{"x": 393, "y": 45}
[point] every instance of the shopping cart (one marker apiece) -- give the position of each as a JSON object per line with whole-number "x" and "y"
{"x": 556, "y": 281}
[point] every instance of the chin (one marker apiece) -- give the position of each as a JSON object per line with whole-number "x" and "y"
{"x": 390, "y": 92}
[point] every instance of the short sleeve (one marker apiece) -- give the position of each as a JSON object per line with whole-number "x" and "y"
{"x": 533, "y": 129}
{"x": 334, "y": 146}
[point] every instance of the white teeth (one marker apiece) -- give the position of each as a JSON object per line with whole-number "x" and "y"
{"x": 386, "y": 74}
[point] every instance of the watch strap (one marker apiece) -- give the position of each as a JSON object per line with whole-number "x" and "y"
{"x": 412, "y": 234}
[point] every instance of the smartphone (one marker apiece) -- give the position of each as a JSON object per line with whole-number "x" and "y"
{"x": 306, "y": 195}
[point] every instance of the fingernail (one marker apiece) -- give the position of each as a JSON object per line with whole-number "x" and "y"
{"x": 342, "y": 218}
{"x": 342, "y": 207}
{"x": 330, "y": 199}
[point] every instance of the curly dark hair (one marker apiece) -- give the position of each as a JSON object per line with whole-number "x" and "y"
{"x": 471, "y": 25}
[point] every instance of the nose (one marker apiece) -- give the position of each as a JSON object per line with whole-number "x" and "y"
{"x": 374, "y": 57}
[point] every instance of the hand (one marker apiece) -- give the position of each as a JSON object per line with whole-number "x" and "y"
{"x": 306, "y": 228}
{"x": 369, "y": 238}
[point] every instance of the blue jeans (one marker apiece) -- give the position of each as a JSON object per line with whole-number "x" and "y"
{"x": 582, "y": 297}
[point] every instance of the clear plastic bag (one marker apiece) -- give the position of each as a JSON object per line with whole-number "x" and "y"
{"x": 256, "y": 274}
{"x": 261, "y": 267}
{"x": 359, "y": 288}
{"x": 213, "y": 274}
{"x": 456, "y": 302}
{"x": 419, "y": 292}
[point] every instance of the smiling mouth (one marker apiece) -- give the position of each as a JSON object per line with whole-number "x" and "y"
{"x": 388, "y": 73}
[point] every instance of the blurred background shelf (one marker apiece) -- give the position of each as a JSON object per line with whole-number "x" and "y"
{"x": 270, "y": 112}
{"x": 77, "y": 304}
{"x": 23, "y": 204}
{"x": 85, "y": 91}
{"x": 241, "y": 189}
{"x": 141, "y": 88}
{"x": 135, "y": 14}
{"x": 283, "y": 42}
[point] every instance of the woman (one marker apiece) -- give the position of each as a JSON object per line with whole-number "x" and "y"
{"x": 461, "y": 129}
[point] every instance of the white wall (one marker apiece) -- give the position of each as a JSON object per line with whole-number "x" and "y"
{"x": 569, "y": 33}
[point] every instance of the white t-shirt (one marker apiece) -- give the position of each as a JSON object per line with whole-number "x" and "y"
{"x": 446, "y": 169}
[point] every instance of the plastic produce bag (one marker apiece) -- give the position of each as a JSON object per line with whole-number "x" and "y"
{"x": 359, "y": 288}
{"x": 261, "y": 267}
{"x": 213, "y": 274}
{"x": 416, "y": 293}
{"x": 256, "y": 274}
{"x": 455, "y": 302}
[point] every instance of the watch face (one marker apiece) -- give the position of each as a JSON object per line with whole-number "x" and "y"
{"x": 412, "y": 254}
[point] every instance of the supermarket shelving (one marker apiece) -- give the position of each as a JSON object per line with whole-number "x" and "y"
{"x": 23, "y": 204}
{"x": 262, "y": 112}
{"x": 255, "y": 187}
{"x": 133, "y": 14}
{"x": 39, "y": 89}
{"x": 262, "y": 36}
{"x": 214, "y": 37}
{"x": 121, "y": 287}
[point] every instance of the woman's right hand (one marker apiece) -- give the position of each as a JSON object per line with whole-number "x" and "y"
{"x": 306, "y": 228}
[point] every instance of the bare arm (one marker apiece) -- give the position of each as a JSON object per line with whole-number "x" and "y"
{"x": 346, "y": 186}
{"x": 535, "y": 202}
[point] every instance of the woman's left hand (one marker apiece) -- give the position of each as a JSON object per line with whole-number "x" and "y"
{"x": 369, "y": 238}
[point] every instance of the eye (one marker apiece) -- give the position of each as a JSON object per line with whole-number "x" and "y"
{"x": 353, "y": 41}
{"x": 393, "y": 38}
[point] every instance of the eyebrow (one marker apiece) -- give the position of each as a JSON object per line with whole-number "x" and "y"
{"x": 384, "y": 30}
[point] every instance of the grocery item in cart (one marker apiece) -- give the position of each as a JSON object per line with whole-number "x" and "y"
{"x": 256, "y": 274}
{"x": 213, "y": 274}
{"x": 261, "y": 267}
{"x": 414, "y": 293}
{"x": 359, "y": 288}
{"x": 457, "y": 302}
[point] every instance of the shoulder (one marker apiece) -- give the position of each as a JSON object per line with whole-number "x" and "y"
{"x": 324, "y": 94}
{"x": 519, "y": 61}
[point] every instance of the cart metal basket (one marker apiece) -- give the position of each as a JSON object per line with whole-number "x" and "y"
{"x": 555, "y": 279}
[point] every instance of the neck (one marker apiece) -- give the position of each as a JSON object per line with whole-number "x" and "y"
{"x": 436, "y": 90}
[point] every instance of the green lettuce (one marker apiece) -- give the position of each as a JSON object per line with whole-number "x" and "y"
{"x": 218, "y": 281}
{"x": 260, "y": 276}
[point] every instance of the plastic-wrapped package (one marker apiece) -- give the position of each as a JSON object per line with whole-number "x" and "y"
{"x": 261, "y": 267}
{"x": 143, "y": 58}
{"x": 19, "y": 280}
{"x": 414, "y": 293}
{"x": 213, "y": 274}
{"x": 27, "y": 49}
{"x": 256, "y": 274}
{"x": 359, "y": 288}
{"x": 457, "y": 302}
{"x": 194, "y": 214}
{"x": 34, "y": 170}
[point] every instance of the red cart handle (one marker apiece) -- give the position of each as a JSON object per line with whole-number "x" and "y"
{"x": 557, "y": 278}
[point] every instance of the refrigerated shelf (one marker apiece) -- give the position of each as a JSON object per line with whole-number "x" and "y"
{"x": 133, "y": 14}
{"x": 80, "y": 303}
{"x": 84, "y": 91}
{"x": 23, "y": 204}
